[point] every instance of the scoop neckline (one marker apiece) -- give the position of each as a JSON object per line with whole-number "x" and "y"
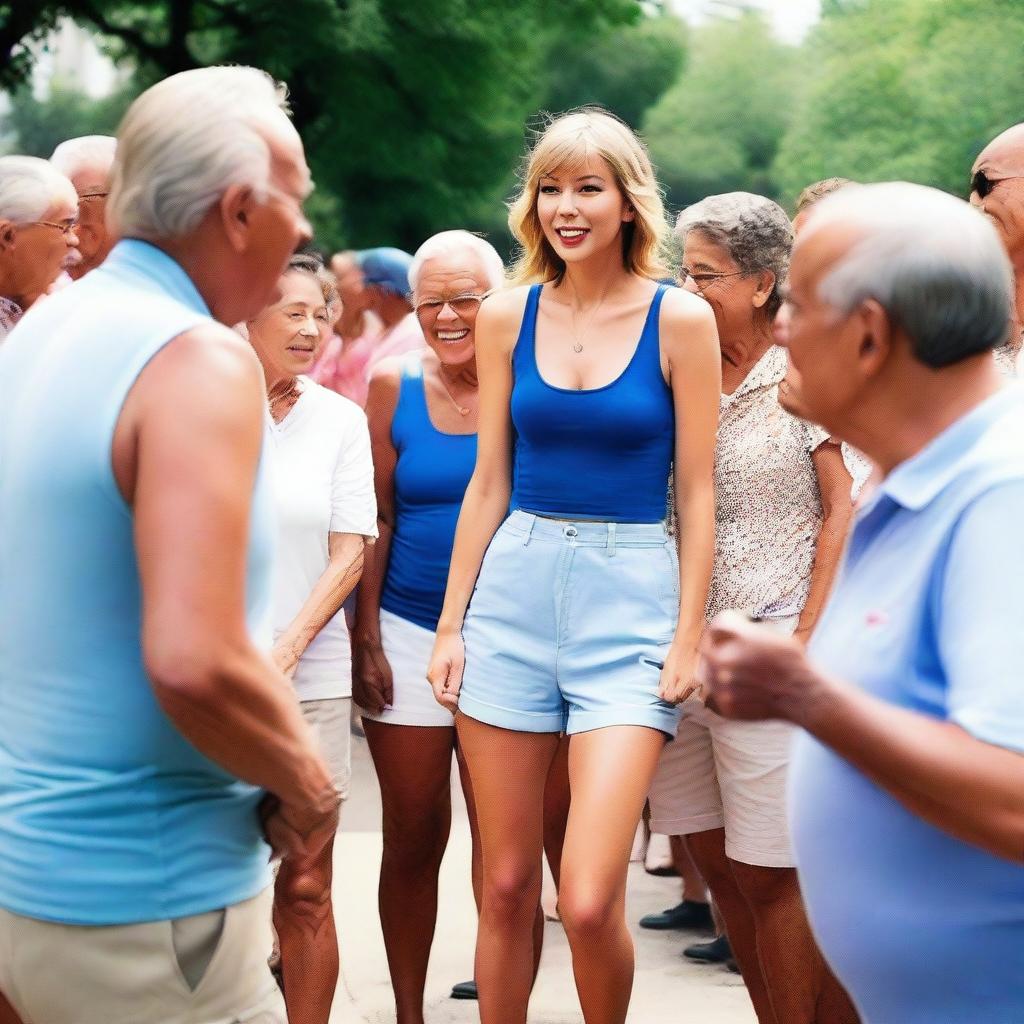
{"x": 604, "y": 387}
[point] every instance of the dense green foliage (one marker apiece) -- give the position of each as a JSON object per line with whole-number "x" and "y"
{"x": 415, "y": 112}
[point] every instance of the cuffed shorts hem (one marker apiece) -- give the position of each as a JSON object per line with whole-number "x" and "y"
{"x": 687, "y": 826}
{"x": 758, "y": 858}
{"x": 664, "y": 721}
{"x": 508, "y": 718}
{"x": 444, "y": 720}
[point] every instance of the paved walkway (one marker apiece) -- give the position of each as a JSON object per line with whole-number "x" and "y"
{"x": 668, "y": 989}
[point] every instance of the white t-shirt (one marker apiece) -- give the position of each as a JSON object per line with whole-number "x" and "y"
{"x": 323, "y": 483}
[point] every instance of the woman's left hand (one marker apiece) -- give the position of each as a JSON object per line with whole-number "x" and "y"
{"x": 679, "y": 676}
{"x": 285, "y": 661}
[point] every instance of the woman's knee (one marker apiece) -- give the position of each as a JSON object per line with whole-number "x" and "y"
{"x": 512, "y": 891}
{"x": 586, "y": 910}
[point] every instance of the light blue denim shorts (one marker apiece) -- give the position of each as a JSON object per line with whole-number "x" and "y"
{"x": 568, "y": 626}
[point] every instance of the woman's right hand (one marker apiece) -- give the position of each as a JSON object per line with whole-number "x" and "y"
{"x": 373, "y": 685}
{"x": 445, "y": 671}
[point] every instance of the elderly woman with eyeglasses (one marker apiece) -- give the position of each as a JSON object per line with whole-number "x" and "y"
{"x": 782, "y": 512}
{"x": 422, "y": 409}
{"x": 38, "y": 218}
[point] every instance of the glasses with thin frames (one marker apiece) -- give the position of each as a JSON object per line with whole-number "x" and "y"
{"x": 983, "y": 184}
{"x": 703, "y": 280}
{"x": 93, "y": 195}
{"x": 65, "y": 228}
{"x": 461, "y": 305}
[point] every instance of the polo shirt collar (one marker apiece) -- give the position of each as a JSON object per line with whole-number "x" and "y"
{"x": 917, "y": 481}
{"x": 150, "y": 261}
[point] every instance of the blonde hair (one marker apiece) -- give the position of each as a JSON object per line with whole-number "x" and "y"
{"x": 568, "y": 140}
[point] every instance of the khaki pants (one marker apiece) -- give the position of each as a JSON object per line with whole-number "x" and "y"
{"x": 207, "y": 969}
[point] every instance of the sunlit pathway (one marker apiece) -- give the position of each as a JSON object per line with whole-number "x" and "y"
{"x": 668, "y": 990}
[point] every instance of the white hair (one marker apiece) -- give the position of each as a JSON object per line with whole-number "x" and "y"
{"x": 458, "y": 241}
{"x": 84, "y": 153}
{"x": 184, "y": 141}
{"x": 29, "y": 187}
{"x": 933, "y": 262}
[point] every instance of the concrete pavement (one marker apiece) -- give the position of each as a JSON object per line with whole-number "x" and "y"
{"x": 668, "y": 989}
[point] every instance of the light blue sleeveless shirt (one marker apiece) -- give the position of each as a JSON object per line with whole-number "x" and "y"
{"x": 108, "y": 815}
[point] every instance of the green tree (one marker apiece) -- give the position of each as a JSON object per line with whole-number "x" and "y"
{"x": 904, "y": 89}
{"x": 627, "y": 70}
{"x": 717, "y": 129}
{"x": 411, "y": 113}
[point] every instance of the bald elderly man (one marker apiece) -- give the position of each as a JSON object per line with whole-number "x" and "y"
{"x": 997, "y": 189}
{"x": 909, "y": 775}
{"x": 87, "y": 162}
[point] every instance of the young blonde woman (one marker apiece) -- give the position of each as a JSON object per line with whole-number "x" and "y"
{"x": 581, "y": 620}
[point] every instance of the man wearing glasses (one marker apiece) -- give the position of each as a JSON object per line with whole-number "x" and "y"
{"x": 38, "y": 219}
{"x": 997, "y": 189}
{"x": 86, "y": 162}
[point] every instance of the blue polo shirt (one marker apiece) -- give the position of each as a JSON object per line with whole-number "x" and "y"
{"x": 108, "y": 815}
{"x": 921, "y": 927}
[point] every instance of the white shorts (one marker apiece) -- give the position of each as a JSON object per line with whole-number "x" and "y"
{"x": 719, "y": 773}
{"x": 408, "y": 647}
{"x": 210, "y": 968}
{"x": 331, "y": 723}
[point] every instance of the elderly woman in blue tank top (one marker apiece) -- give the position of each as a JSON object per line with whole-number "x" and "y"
{"x": 594, "y": 382}
{"x": 422, "y": 409}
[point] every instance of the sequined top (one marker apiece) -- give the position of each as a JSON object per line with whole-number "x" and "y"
{"x": 10, "y": 314}
{"x": 1006, "y": 360}
{"x": 768, "y": 506}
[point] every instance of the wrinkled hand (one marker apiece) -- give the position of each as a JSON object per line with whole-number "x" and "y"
{"x": 679, "y": 676}
{"x": 299, "y": 832}
{"x": 373, "y": 685}
{"x": 285, "y": 661}
{"x": 751, "y": 672}
{"x": 445, "y": 671}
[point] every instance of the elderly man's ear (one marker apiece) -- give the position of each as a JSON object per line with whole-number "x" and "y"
{"x": 8, "y": 236}
{"x": 236, "y": 208}
{"x": 876, "y": 336}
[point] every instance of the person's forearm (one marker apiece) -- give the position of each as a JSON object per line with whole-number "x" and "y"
{"x": 968, "y": 788}
{"x": 695, "y": 537}
{"x": 327, "y": 596}
{"x": 827, "y": 555}
{"x": 371, "y": 586}
{"x": 234, "y": 707}
{"x": 483, "y": 510}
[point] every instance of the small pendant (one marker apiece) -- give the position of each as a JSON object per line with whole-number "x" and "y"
{"x": 465, "y": 412}
{"x": 577, "y": 347}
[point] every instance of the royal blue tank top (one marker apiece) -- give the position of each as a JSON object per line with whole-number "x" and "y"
{"x": 431, "y": 477}
{"x": 602, "y": 453}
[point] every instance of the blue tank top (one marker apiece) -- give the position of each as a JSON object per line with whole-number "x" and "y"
{"x": 108, "y": 815}
{"x": 602, "y": 453}
{"x": 431, "y": 477}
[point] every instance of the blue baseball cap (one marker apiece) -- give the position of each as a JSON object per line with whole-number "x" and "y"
{"x": 386, "y": 267}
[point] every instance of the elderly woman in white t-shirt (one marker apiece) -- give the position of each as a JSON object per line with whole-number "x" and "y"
{"x": 326, "y": 509}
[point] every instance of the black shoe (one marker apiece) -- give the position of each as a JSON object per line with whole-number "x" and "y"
{"x": 688, "y": 914}
{"x": 718, "y": 951}
{"x": 464, "y": 990}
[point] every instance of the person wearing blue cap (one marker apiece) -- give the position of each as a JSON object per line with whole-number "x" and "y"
{"x": 386, "y": 283}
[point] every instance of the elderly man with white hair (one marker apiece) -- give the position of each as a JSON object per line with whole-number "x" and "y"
{"x": 909, "y": 774}
{"x": 147, "y": 742}
{"x": 38, "y": 215}
{"x": 87, "y": 162}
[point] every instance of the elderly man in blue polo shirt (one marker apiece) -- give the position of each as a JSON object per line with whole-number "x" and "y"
{"x": 907, "y": 788}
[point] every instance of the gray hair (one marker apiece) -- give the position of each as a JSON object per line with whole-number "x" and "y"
{"x": 29, "y": 187}
{"x": 184, "y": 141}
{"x": 935, "y": 264}
{"x": 87, "y": 151}
{"x": 458, "y": 241}
{"x": 754, "y": 230}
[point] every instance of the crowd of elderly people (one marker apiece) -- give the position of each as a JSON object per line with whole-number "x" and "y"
{"x": 185, "y": 394}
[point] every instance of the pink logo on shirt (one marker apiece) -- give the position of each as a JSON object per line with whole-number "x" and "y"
{"x": 876, "y": 618}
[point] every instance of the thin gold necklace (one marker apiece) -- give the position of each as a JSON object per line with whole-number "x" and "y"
{"x": 463, "y": 411}
{"x": 577, "y": 346}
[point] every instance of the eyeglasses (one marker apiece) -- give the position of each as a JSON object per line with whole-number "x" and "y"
{"x": 461, "y": 305}
{"x": 703, "y": 280}
{"x": 983, "y": 184}
{"x": 65, "y": 227}
{"x": 93, "y": 195}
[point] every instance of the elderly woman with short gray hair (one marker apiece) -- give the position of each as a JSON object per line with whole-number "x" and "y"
{"x": 782, "y": 512}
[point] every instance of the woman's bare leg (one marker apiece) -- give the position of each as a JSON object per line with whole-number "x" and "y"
{"x": 610, "y": 772}
{"x": 414, "y": 766}
{"x": 508, "y": 772}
